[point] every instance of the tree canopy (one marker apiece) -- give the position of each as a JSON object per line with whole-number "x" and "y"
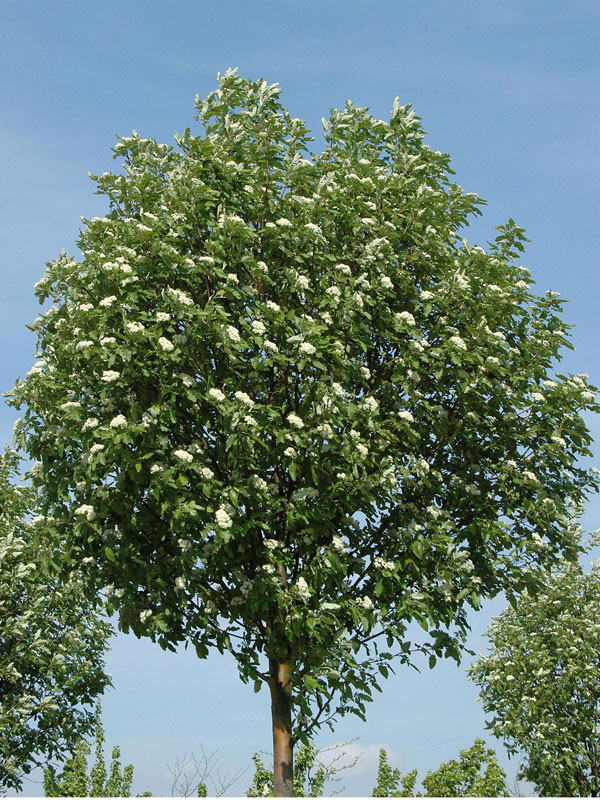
{"x": 51, "y": 642}
{"x": 282, "y": 408}
{"x": 540, "y": 682}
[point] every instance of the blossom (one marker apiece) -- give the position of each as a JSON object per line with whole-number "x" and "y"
{"x": 162, "y": 316}
{"x": 206, "y": 473}
{"x": 90, "y": 422}
{"x": 155, "y": 468}
{"x": 272, "y": 306}
{"x": 249, "y": 420}
{"x": 232, "y": 277}
{"x": 107, "y": 301}
{"x": 295, "y": 421}
{"x": 371, "y": 403}
{"x": 86, "y": 511}
{"x": 531, "y": 476}
{"x": 118, "y": 422}
{"x": 144, "y": 615}
{"x": 184, "y": 456}
{"x": 308, "y": 348}
{"x": 109, "y": 376}
{"x": 257, "y": 326}
{"x": 362, "y": 449}
{"x": 406, "y": 415}
{"x": 344, "y": 269}
{"x": 216, "y": 394}
{"x": 86, "y": 307}
{"x": 96, "y": 448}
{"x": 538, "y": 397}
{"x": 386, "y": 282}
{"x": 269, "y": 345}
{"x": 405, "y": 316}
{"x": 458, "y": 342}
{"x": 233, "y": 333}
{"x": 333, "y": 292}
{"x": 70, "y": 404}
{"x": 180, "y": 583}
{"x": 303, "y": 282}
{"x": 338, "y": 544}
{"x": 330, "y": 606}
{"x": 224, "y": 521}
{"x": 283, "y": 222}
{"x": 166, "y": 344}
{"x": 83, "y": 344}
{"x": 244, "y": 398}
{"x": 426, "y": 295}
{"x": 310, "y": 226}
{"x": 365, "y": 602}
{"x": 180, "y": 296}
{"x": 258, "y": 483}
{"x": 289, "y": 452}
{"x": 107, "y": 340}
{"x": 302, "y": 589}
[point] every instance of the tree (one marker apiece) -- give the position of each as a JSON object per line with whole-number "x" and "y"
{"x": 74, "y": 780}
{"x": 282, "y": 409}
{"x": 476, "y": 774}
{"x": 52, "y": 642}
{"x": 540, "y": 682}
{"x": 310, "y": 774}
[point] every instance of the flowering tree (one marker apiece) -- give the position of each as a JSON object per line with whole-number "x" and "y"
{"x": 541, "y": 683}
{"x": 281, "y": 408}
{"x": 51, "y": 644}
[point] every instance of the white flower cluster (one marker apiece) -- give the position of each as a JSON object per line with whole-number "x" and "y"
{"x": 406, "y": 415}
{"x": 295, "y": 421}
{"x": 86, "y": 511}
{"x": 258, "y": 326}
{"x": 268, "y": 345}
{"x": 90, "y": 422}
{"x": 110, "y": 376}
{"x": 206, "y": 473}
{"x": 338, "y": 544}
{"x": 224, "y": 521}
{"x": 302, "y": 589}
{"x": 134, "y": 327}
{"x": 381, "y": 563}
{"x": 118, "y": 422}
{"x": 166, "y": 344}
{"x": 184, "y": 456}
{"x": 216, "y": 394}
{"x": 307, "y": 348}
{"x": 180, "y": 296}
{"x": 233, "y": 333}
{"x": 244, "y": 398}
{"x": 365, "y": 602}
{"x": 405, "y": 317}
{"x": 458, "y": 342}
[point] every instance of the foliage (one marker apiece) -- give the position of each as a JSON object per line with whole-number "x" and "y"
{"x": 74, "y": 780}
{"x": 476, "y": 774}
{"x": 283, "y": 409}
{"x": 310, "y": 774}
{"x": 52, "y": 641}
{"x": 540, "y": 682}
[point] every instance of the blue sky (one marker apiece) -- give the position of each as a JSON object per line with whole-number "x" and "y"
{"x": 509, "y": 89}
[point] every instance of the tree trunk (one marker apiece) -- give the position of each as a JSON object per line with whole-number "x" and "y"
{"x": 280, "y": 684}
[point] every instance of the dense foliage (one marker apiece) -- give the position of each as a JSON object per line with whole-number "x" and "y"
{"x": 52, "y": 642}
{"x": 282, "y": 408}
{"x": 540, "y": 683}
{"x": 475, "y": 774}
{"x": 77, "y": 779}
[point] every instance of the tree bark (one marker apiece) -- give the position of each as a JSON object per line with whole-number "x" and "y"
{"x": 280, "y": 684}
